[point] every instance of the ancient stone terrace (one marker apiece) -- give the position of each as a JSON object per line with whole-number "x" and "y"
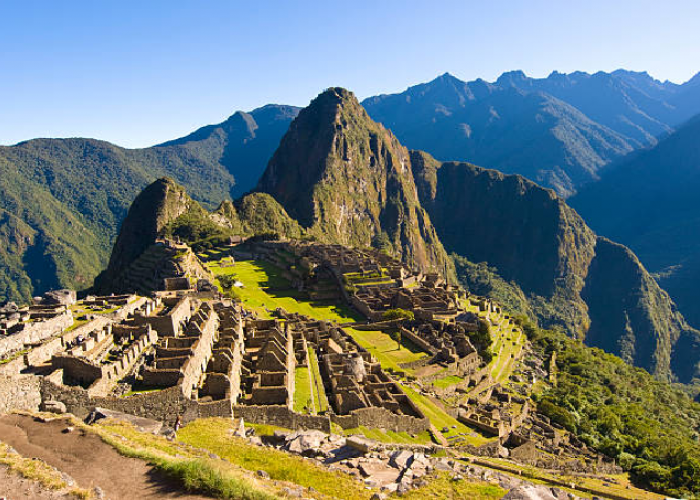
{"x": 181, "y": 358}
{"x": 223, "y": 375}
{"x": 170, "y": 315}
{"x": 268, "y": 364}
{"x": 99, "y": 358}
{"x": 448, "y": 342}
{"x": 426, "y": 303}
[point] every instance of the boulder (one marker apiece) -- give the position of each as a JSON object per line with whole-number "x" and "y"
{"x": 53, "y": 407}
{"x": 62, "y": 297}
{"x": 360, "y": 443}
{"x": 143, "y": 424}
{"x": 401, "y": 459}
{"x": 530, "y": 492}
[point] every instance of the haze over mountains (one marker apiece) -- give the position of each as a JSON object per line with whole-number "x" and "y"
{"x": 346, "y": 178}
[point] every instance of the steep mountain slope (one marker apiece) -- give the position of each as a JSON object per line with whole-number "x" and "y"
{"x": 346, "y": 179}
{"x": 559, "y": 131}
{"x": 72, "y": 194}
{"x": 650, "y": 203}
{"x": 570, "y": 278}
{"x": 243, "y": 144}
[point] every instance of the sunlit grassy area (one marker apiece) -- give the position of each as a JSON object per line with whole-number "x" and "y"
{"x": 444, "y": 487}
{"x": 303, "y": 395}
{"x": 441, "y": 418}
{"x": 387, "y": 350}
{"x": 214, "y": 435}
{"x": 447, "y": 381}
{"x": 320, "y": 398}
{"x": 265, "y": 288}
{"x": 390, "y": 436}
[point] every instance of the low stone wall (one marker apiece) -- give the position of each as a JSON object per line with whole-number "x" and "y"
{"x": 20, "y": 393}
{"x": 281, "y": 416}
{"x": 376, "y": 417}
{"x": 35, "y": 332}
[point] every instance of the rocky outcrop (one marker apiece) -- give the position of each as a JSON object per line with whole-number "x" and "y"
{"x": 153, "y": 209}
{"x": 347, "y": 180}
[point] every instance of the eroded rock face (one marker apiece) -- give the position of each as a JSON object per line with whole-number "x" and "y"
{"x": 348, "y": 180}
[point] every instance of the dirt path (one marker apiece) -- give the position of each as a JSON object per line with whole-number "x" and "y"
{"x": 88, "y": 460}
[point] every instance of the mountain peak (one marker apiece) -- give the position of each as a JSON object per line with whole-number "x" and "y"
{"x": 512, "y": 77}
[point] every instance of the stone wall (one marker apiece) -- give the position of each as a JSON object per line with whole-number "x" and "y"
{"x": 19, "y": 393}
{"x": 376, "y": 417}
{"x": 281, "y": 416}
{"x": 35, "y": 332}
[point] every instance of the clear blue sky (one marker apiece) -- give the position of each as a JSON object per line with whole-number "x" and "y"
{"x": 141, "y": 72}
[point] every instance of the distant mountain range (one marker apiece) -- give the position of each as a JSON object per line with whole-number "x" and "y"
{"x": 558, "y": 131}
{"x": 651, "y": 203}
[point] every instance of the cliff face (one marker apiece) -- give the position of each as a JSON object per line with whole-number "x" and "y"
{"x": 573, "y": 279}
{"x": 347, "y": 180}
{"x": 154, "y": 208}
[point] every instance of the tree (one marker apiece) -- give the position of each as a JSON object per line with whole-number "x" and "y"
{"x": 396, "y": 337}
{"x": 400, "y": 314}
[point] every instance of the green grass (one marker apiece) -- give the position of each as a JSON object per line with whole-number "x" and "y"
{"x": 303, "y": 395}
{"x": 196, "y": 471}
{"x": 213, "y": 434}
{"x": 320, "y": 398}
{"x": 440, "y": 418}
{"x": 386, "y": 350}
{"x": 447, "y": 381}
{"x": 444, "y": 487}
{"x": 264, "y": 287}
{"x": 390, "y": 436}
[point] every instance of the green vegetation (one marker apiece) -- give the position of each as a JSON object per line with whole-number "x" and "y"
{"x": 402, "y": 314}
{"x": 650, "y": 427}
{"x": 440, "y": 418}
{"x": 303, "y": 392}
{"x": 443, "y": 486}
{"x": 320, "y": 398}
{"x": 390, "y": 436}
{"x": 213, "y": 434}
{"x": 387, "y": 350}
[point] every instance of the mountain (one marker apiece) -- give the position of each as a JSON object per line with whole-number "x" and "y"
{"x": 554, "y": 265}
{"x": 62, "y": 200}
{"x": 347, "y": 180}
{"x": 650, "y": 204}
{"x": 242, "y": 144}
{"x": 559, "y": 131}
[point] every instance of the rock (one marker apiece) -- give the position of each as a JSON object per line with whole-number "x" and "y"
{"x": 360, "y": 443}
{"x": 255, "y": 440}
{"x": 443, "y": 465}
{"x": 292, "y": 493}
{"x": 59, "y": 297}
{"x": 68, "y": 430}
{"x": 262, "y": 474}
{"x": 401, "y": 459}
{"x": 529, "y": 492}
{"x": 98, "y": 493}
{"x": 53, "y": 407}
{"x": 143, "y": 424}
{"x": 379, "y": 496}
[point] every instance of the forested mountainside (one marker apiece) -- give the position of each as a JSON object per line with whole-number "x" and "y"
{"x": 650, "y": 203}
{"x": 63, "y": 200}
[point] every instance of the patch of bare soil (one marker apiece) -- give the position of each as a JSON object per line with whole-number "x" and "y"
{"x": 15, "y": 487}
{"x": 88, "y": 460}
